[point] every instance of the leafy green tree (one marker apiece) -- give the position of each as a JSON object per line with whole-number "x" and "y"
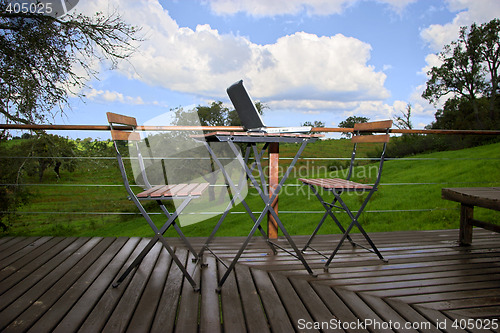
{"x": 12, "y": 193}
{"x": 42, "y": 59}
{"x": 316, "y": 123}
{"x": 469, "y": 69}
{"x": 349, "y": 123}
{"x": 50, "y": 151}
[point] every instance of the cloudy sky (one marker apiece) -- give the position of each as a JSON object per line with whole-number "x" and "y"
{"x": 307, "y": 60}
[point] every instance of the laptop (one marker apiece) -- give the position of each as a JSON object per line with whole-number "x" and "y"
{"x": 250, "y": 117}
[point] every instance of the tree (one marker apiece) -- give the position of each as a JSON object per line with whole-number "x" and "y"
{"x": 316, "y": 123}
{"x": 466, "y": 64}
{"x": 42, "y": 59}
{"x": 50, "y": 151}
{"x": 349, "y": 123}
{"x": 489, "y": 33}
{"x": 403, "y": 121}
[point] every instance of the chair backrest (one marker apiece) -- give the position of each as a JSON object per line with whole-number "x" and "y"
{"x": 122, "y": 134}
{"x": 126, "y": 132}
{"x": 363, "y": 133}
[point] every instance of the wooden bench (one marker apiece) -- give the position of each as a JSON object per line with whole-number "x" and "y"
{"x": 486, "y": 197}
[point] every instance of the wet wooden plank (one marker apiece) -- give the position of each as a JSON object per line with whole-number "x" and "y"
{"x": 43, "y": 280}
{"x": 337, "y": 307}
{"x": 233, "y": 317}
{"x": 59, "y": 309}
{"x": 78, "y": 312}
{"x": 412, "y": 316}
{"x": 275, "y": 311}
{"x": 142, "y": 320}
{"x": 294, "y": 306}
{"x": 165, "y": 316}
{"x": 122, "y": 313}
{"x": 53, "y": 291}
{"x": 104, "y": 308}
{"x": 188, "y": 312}
{"x": 317, "y": 308}
{"x": 360, "y": 308}
{"x": 252, "y": 306}
{"x": 210, "y": 319}
{"x": 26, "y": 265}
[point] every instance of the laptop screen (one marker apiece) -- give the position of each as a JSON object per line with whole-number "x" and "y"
{"x": 249, "y": 116}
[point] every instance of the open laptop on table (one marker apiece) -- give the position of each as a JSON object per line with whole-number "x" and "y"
{"x": 250, "y": 117}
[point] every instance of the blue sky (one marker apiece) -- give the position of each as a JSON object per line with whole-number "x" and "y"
{"x": 307, "y": 60}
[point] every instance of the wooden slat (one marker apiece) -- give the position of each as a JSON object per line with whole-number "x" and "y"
{"x": 147, "y": 192}
{"x": 103, "y": 309}
{"x": 252, "y": 306}
{"x": 115, "y": 118}
{"x": 200, "y": 189}
{"x": 125, "y": 135}
{"x": 373, "y": 126}
{"x": 335, "y": 183}
{"x": 371, "y": 138}
{"x": 122, "y": 313}
{"x": 294, "y": 305}
{"x": 79, "y": 312}
{"x": 341, "y": 312}
{"x": 386, "y": 312}
{"x": 95, "y": 249}
{"x": 47, "y": 276}
{"x": 318, "y": 309}
{"x": 142, "y": 319}
{"x": 275, "y": 311}
{"x": 59, "y": 310}
{"x": 165, "y": 316}
{"x": 189, "y": 302}
{"x": 186, "y": 190}
{"x": 210, "y": 309}
{"x": 169, "y": 191}
{"x": 233, "y": 316}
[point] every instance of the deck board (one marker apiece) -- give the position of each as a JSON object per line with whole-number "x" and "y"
{"x": 64, "y": 285}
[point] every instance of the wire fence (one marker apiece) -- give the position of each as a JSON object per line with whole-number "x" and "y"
{"x": 382, "y": 184}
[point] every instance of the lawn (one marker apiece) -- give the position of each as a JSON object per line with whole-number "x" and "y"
{"x": 409, "y": 197}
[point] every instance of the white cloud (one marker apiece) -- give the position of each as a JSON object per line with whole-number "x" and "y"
{"x": 468, "y": 12}
{"x": 113, "y": 97}
{"x": 261, "y": 8}
{"x": 303, "y": 68}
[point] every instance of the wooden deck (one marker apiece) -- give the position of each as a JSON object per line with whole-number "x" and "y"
{"x": 64, "y": 285}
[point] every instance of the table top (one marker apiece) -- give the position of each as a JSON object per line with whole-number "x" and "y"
{"x": 249, "y": 137}
{"x": 487, "y": 197}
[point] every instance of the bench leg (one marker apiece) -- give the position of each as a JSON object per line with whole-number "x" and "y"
{"x": 466, "y": 216}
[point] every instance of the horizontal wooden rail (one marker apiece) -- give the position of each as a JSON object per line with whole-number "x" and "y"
{"x": 234, "y": 128}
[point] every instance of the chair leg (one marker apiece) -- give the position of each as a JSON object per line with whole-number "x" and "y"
{"x": 159, "y": 236}
{"x": 179, "y": 231}
{"x": 328, "y": 211}
{"x": 354, "y": 222}
{"x": 136, "y": 261}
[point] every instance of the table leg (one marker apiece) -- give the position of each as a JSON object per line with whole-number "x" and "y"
{"x": 466, "y": 215}
{"x": 272, "y": 225}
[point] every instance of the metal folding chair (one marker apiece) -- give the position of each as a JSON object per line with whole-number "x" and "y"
{"x": 362, "y": 133}
{"x": 184, "y": 193}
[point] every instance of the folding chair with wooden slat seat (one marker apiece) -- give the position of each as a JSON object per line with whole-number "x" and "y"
{"x": 362, "y": 133}
{"x": 159, "y": 193}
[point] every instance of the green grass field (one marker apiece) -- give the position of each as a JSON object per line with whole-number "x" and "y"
{"x": 408, "y": 199}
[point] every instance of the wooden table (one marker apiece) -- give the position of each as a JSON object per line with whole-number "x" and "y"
{"x": 268, "y": 190}
{"x": 468, "y": 197}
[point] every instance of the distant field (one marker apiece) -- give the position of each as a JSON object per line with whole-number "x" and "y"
{"x": 408, "y": 199}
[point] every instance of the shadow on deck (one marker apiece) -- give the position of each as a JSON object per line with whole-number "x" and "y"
{"x": 64, "y": 285}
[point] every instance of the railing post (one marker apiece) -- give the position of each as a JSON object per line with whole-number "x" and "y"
{"x": 274, "y": 151}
